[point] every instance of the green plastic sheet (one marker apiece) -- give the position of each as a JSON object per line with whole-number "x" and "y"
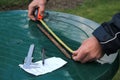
{"x": 17, "y": 32}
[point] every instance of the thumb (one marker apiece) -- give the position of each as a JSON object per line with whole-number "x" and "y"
{"x": 75, "y": 52}
{"x": 79, "y": 55}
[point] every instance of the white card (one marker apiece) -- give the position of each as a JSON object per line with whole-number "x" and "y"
{"x": 50, "y": 65}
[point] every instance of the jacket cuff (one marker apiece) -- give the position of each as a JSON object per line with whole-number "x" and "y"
{"x": 102, "y": 36}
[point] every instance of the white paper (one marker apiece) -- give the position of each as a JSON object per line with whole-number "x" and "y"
{"x": 50, "y": 65}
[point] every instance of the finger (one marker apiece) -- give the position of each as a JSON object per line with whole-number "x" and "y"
{"x": 80, "y": 56}
{"x": 31, "y": 9}
{"x": 75, "y": 53}
{"x": 42, "y": 8}
{"x": 90, "y": 58}
{"x": 87, "y": 58}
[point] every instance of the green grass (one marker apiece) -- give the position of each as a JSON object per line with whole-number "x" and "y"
{"x": 96, "y": 10}
{"x": 99, "y": 11}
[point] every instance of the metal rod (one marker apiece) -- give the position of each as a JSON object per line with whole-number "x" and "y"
{"x": 55, "y": 36}
{"x": 54, "y": 41}
{"x": 43, "y": 56}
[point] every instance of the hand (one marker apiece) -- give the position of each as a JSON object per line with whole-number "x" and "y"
{"x": 36, "y": 4}
{"x": 90, "y": 50}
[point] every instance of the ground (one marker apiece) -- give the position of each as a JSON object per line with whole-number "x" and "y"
{"x": 63, "y": 4}
{"x": 51, "y": 5}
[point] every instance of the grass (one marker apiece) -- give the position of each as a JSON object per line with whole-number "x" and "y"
{"x": 96, "y": 10}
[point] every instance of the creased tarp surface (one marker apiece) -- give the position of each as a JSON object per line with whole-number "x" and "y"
{"x": 17, "y": 32}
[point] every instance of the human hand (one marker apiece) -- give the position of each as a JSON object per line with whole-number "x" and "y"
{"x": 90, "y": 50}
{"x": 36, "y": 4}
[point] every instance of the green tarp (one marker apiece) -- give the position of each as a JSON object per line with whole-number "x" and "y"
{"x": 17, "y": 32}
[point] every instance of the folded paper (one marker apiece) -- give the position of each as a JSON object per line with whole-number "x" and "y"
{"x": 50, "y": 65}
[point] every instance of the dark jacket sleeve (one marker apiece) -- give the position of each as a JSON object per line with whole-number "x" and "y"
{"x": 108, "y": 34}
